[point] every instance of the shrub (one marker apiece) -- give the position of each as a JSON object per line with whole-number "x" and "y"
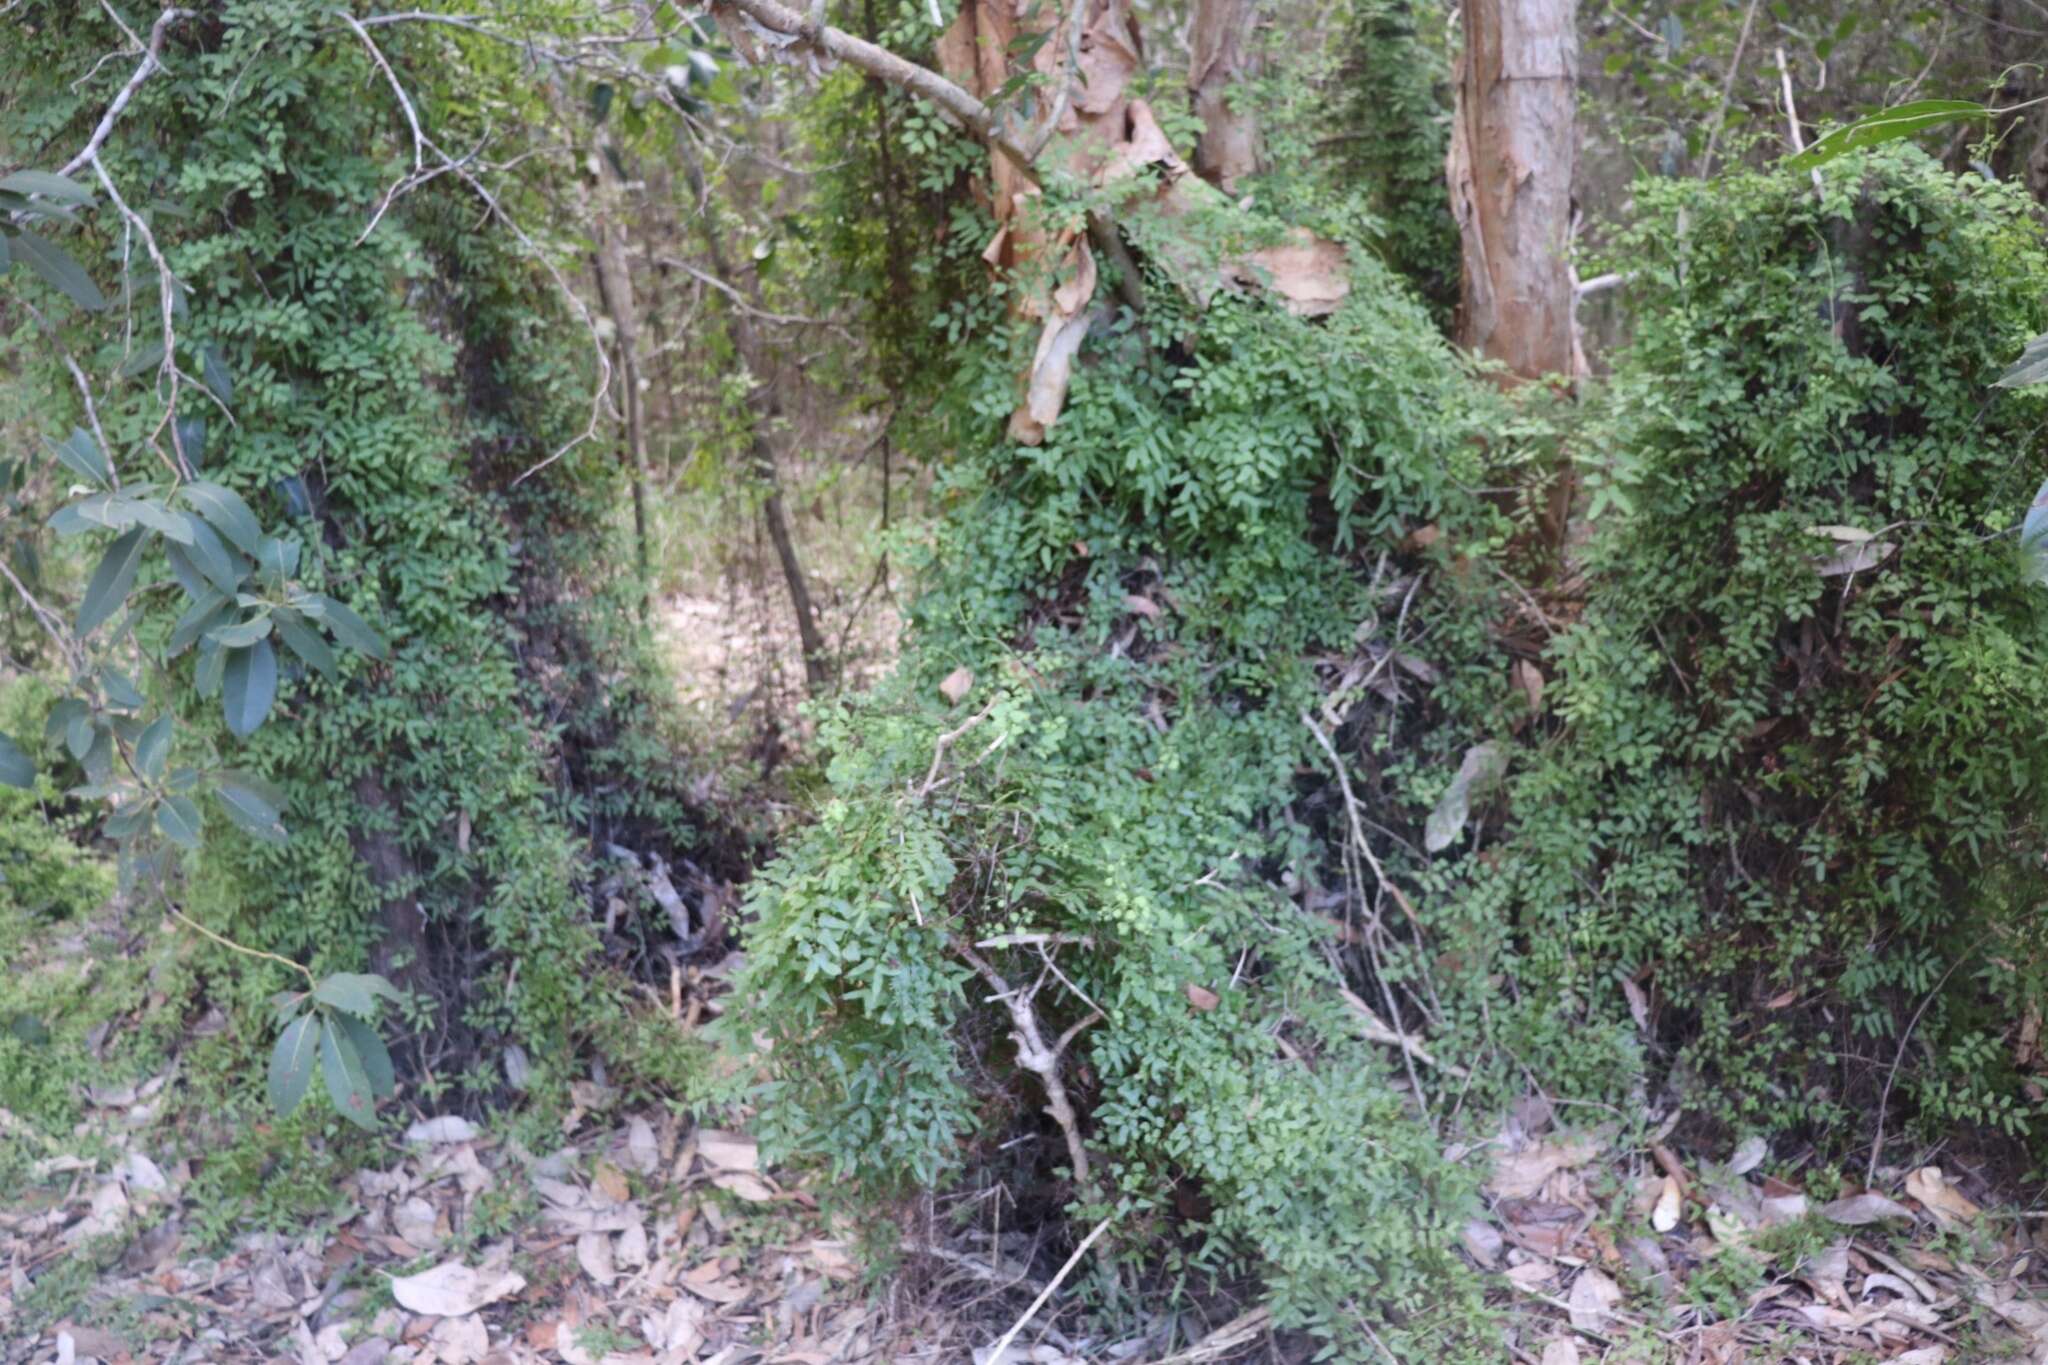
{"x": 1098, "y": 826}
{"x": 1795, "y": 790}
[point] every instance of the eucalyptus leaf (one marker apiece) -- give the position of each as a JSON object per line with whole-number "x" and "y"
{"x": 112, "y": 580}
{"x": 153, "y": 750}
{"x": 16, "y": 768}
{"x": 224, "y": 508}
{"x": 248, "y": 687}
{"x": 292, "y": 1061}
{"x": 178, "y": 818}
{"x": 57, "y": 268}
{"x": 348, "y": 1080}
{"x": 252, "y": 804}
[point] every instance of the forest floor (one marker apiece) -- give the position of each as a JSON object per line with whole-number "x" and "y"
{"x": 646, "y": 1239}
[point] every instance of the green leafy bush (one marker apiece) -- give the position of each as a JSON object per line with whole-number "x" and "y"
{"x": 1092, "y": 833}
{"x": 1794, "y": 789}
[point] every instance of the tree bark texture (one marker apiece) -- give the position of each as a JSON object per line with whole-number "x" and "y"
{"x": 1514, "y": 144}
{"x": 1224, "y": 55}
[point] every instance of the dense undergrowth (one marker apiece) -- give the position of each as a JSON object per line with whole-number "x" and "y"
{"x": 383, "y": 389}
{"x": 1781, "y": 778}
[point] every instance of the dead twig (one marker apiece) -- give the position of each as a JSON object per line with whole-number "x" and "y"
{"x": 995, "y": 1352}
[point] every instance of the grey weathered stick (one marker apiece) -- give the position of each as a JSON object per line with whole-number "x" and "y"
{"x": 995, "y": 1352}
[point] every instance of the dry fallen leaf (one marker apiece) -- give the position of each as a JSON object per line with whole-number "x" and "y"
{"x": 594, "y": 1254}
{"x": 1749, "y": 1154}
{"x": 1529, "y": 1274}
{"x": 1562, "y": 1351}
{"x": 1520, "y": 1175}
{"x": 610, "y": 1181}
{"x": 1201, "y": 997}
{"x": 1859, "y": 1209}
{"x": 643, "y": 1152}
{"x": 740, "y": 1185}
{"x": 446, "y": 1128}
{"x": 1592, "y": 1299}
{"x": 453, "y": 1290}
{"x": 728, "y": 1151}
{"x": 1670, "y": 1204}
{"x": 1482, "y": 1242}
{"x": 956, "y": 685}
{"x": 461, "y": 1341}
{"x": 1930, "y": 1188}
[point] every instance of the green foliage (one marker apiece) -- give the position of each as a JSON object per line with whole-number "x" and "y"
{"x": 1795, "y": 791}
{"x": 1095, "y": 820}
{"x": 337, "y": 415}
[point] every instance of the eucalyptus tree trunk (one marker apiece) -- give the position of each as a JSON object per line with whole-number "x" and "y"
{"x": 1223, "y": 56}
{"x": 1514, "y": 147}
{"x": 1514, "y": 144}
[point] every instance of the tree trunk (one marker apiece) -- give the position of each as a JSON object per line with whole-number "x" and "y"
{"x": 615, "y": 284}
{"x": 1514, "y": 142}
{"x": 1223, "y": 56}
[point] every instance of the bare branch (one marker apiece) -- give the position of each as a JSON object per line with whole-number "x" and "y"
{"x": 150, "y": 64}
{"x": 885, "y": 65}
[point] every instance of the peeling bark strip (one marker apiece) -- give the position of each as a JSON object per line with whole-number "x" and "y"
{"x": 1513, "y": 147}
{"x": 1224, "y": 58}
{"x": 1087, "y": 58}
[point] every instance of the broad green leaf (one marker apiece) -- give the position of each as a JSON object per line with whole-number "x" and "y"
{"x": 49, "y": 185}
{"x": 62, "y": 717}
{"x": 213, "y": 372}
{"x": 146, "y": 357}
{"x": 348, "y": 1081}
{"x": 171, "y": 525}
{"x": 189, "y": 434}
{"x": 80, "y": 733}
{"x": 241, "y": 634}
{"x": 277, "y": 559}
{"x": 178, "y": 818}
{"x": 187, "y": 573}
{"x": 376, "y": 1057}
{"x": 153, "y": 750}
{"x": 304, "y": 642}
{"x": 354, "y": 993}
{"x": 349, "y": 628}
{"x": 2034, "y": 539}
{"x": 1902, "y": 120}
{"x": 224, "y": 508}
{"x": 16, "y": 768}
{"x": 112, "y": 580}
{"x": 56, "y": 267}
{"x": 127, "y": 821}
{"x": 291, "y": 1063}
{"x": 212, "y": 664}
{"x": 248, "y": 687}
{"x": 212, "y": 556}
{"x": 81, "y": 454}
{"x": 120, "y": 689}
{"x": 207, "y": 611}
{"x": 253, "y": 805}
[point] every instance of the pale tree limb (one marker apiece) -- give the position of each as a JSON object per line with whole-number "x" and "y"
{"x": 152, "y": 62}
{"x": 1036, "y": 1056}
{"x": 995, "y": 1352}
{"x": 928, "y": 85}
